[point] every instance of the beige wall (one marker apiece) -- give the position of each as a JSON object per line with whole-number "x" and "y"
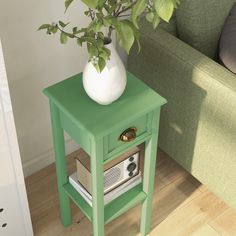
{"x": 34, "y": 61}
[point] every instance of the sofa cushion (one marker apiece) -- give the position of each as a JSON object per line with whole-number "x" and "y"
{"x": 199, "y": 23}
{"x": 227, "y": 48}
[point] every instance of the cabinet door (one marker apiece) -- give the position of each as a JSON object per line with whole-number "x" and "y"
{"x": 14, "y": 211}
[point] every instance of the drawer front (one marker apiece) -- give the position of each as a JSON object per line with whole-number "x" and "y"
{"x": 140, "y": 127}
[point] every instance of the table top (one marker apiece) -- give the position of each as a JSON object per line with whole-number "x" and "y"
{"x": 70, "y": 97}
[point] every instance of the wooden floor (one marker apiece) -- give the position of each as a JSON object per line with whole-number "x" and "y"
{"x": 181, "y": 207}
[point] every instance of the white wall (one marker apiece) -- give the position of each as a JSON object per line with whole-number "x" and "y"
{"x": 34, "y": 61}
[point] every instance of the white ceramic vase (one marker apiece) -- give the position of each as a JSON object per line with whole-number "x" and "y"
{"x": 107, "y": 86}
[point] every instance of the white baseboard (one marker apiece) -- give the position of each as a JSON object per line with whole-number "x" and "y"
{"x": 46, "y": 158}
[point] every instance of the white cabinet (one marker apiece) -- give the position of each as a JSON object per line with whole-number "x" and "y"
{"x": 14, "y": 210}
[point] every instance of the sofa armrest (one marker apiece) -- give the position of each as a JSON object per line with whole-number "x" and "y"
{"x": 166, "y": 52}
{"x": 198, "y": 123}
{"x": 170, "y": 27}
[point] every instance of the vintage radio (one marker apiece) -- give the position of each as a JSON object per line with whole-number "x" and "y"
{"x": 116, "y": 172}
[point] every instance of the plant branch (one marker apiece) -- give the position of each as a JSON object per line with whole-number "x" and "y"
{"x": 126, "y": 9}
{"x": 91, "y": 13}
{"x": 68, "y": 33}
{"x": 123, "y": 15}
{"x": 110, "y": 32}
{"x": 118, "y": 9}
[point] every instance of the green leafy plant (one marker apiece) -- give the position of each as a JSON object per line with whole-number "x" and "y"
{"x": 121, "y": 16}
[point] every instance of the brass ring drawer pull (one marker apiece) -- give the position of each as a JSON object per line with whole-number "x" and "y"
{"x": 128, "y": 135}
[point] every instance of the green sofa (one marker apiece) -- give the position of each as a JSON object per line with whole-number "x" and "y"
{"x": 198, "y": 124}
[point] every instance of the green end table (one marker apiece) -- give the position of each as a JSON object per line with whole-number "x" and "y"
{"x": 97, "y": 130}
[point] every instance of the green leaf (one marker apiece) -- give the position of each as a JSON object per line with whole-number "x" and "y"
{"x": 87, "y": 13}
{"x": 101, "y": 2}
{"x": 101, "y": 64}
{"x": 70, "y": 35}
{"x": 150, "y": 17}
{"x": 99, "y": 42}
{"x": 67, "y": 3}
{"x": 136, "y": 33}
{"x": 100, "y": 35}
{"x": 89, "y": 33}
{"x": 75, "y": 30}
{"x": 63, "y": 38}
{"x": 54, "y": 29}
{"x": 125, "y": 34}
{"x": 92, "y": 50}
{"x": 137, "y": 10}
{"x": 108, "y": 52}
{"x": 112, "y": 8}
{"x": 91, "y": 3}
{"x": 125, "y": 2}
{"x": 95, "y": 25}
{"x": 156, "y": 21}
{"x": 44, "y": 26}
{"x": 164, "y": 8}
{"x": 104, "y": 54}
{"x": 97, "y": 68}
{"x": 99, "y": 15}
{"x": 106, "y": 22}
{"x": 112, "y": 2}
{"x": 88, "y": 39}
{"x": 62, "y": 24}
{"x": 79, "y": 41}
{"x": 106, "y": 7}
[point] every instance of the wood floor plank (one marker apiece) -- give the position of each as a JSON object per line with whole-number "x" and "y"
{"x": 181, "y": 206}
{"x": 205, "y": 230}
{"x": 168, "y": 170}
{"x": 192, "y": 216}
{"x": 225, "y": 223}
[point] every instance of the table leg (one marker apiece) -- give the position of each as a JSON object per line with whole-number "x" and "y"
{"x": 149, "y": 176}
{"x": 61, "y": 167}
{"x": 98, "y": 188}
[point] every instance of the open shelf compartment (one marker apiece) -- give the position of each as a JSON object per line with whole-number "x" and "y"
{"x": 113, "y": 209}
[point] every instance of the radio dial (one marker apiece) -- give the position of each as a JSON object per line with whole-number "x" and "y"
{"x": 131, "y": 159}
{"x": 131, "y": 167}
{"x": 131, "y": 174}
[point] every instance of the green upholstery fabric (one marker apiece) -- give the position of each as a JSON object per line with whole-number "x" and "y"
{"x": 199, "y": 23}
{"x": 198, "y": 124}
{"x": 169, "y": 27}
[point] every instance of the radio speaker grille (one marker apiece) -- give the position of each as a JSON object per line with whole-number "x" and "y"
{"x": 112, "y": 176}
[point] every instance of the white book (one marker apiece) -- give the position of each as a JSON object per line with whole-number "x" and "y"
{"x": 109, "y": 196}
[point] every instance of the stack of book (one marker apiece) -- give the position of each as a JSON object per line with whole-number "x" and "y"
{"x": 108, "y": 197}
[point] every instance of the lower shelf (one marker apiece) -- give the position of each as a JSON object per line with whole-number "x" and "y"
{"x": 113, "y": 209}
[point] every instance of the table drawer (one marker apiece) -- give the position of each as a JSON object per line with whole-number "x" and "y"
{"x": 131, "y": 133}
